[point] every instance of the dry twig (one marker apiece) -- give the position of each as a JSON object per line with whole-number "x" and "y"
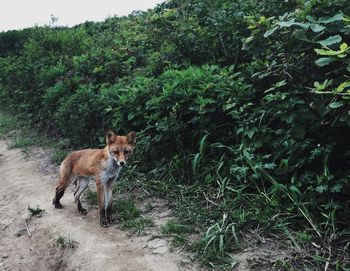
{"x": 28, "y": 231}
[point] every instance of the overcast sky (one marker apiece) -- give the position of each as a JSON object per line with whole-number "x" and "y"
{"x": 18, "y": 14}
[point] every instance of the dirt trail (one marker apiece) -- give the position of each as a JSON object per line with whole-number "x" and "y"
{"x": 23, "y": 183}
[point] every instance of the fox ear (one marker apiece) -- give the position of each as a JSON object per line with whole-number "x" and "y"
{"x": 110, "y": 136}
{"x": 131, "y": 137}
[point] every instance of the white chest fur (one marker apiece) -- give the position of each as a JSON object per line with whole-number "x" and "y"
{"x": 111, "y": 170}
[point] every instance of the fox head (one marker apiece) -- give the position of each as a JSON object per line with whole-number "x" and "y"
{"x": 120, "y": 147}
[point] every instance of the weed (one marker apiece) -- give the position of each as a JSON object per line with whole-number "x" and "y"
{"x": 126, "y": 209}
{"x": 91, "y": 197}
{"x": 64, "y": 242}
{"x": 35, "y": 211}
{"x": 173, "y": 226}
{"x": 130, "y": 216}
{"x": 25, "y": 142}
{"x": 178, "y": 232}
{"x": 8, "y": 124}
{"x": 138, "y": 225}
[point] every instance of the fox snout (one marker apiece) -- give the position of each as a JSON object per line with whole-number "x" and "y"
{"x": 120, "y": 159}
{"x": 121, "y": 163}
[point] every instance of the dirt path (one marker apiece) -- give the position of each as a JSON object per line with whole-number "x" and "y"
{"x": 23, "y": 183}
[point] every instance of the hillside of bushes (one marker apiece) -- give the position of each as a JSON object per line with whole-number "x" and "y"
{"x": 241, "y": 108}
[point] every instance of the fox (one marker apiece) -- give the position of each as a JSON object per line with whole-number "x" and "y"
{"x": 103, "y": 165}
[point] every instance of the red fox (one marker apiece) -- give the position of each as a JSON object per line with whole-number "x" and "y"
{"x": 104, "y": 165}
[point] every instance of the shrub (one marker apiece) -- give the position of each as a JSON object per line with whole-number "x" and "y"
{"x": 241, "y": 108}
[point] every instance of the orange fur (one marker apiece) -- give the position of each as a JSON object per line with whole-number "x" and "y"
{"x": 103, "y": 165}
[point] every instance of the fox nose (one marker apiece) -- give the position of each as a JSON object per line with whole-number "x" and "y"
{"x": 122, "y": 163}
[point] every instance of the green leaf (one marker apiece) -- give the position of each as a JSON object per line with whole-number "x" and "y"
{"x": 343, "y": 47}
{"x": 221, "y": 243}
{"x": 342, "y": 86}
{"x": 249, "y": 39}
{"x": 108, "y": 109}
{"x": 317, "y": 27}
{"x": 131, "y": 116}
{"x": 277, "y": 85}
{"x": 324, "y": 52}
{"x": 246, "y": 42}
{"x": 331, "y": 40}
{"x": 270, "y": 32}
{"x": 324, "y": 61}
{"x": 289, "y": 119}
{"x": 336, "y": 188}
{"x": 326, "y": 83}
{"x": 311, "y": 19}
{"x": 280, "y": 84}
{"x": 195, "y": 163}
{"x": 301, "y": 35}
{"x": 250, "y": 133}
{"x": 335, "y": 105}
{"x": 327, "y": 20}
{"x": 287, "y": 23}
{"x": 341, "y": 53}
{"x": 322, "y": 188}
{"x": 293, "y": 23}
{"x": 295, "y": 189}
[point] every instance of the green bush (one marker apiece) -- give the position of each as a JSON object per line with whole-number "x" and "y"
{"x": 241, "y": 108}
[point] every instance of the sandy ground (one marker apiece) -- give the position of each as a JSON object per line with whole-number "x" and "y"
{"x": 23, "y": 182}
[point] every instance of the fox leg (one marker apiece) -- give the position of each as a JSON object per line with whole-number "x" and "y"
{"x": 63, "y": 183}
{"x": 100, "y": 187}
{"x": 60, "y": 188}
{"x": 83, "y": 184}
{"x": 77, "y": 186}
{"x": 58, "y": 195}
{"x": 108, "y": 202}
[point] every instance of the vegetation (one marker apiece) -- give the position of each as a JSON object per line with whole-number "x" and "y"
{"x": 66, "y": 242}
{"x": 129, "y": 216}
{"x": 23, "y": 136}
{"x": 35, "y": 211}
{"x": 241, "y": 107}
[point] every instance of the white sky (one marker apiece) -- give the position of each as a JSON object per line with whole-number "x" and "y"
{"x": 18, "y": 14}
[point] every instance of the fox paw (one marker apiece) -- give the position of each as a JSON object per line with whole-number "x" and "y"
{"x": 104, "y": 223}
{"x": 58, "y": 205}
{"x": 112, "y": 221}
{"x": 83, "y": 211}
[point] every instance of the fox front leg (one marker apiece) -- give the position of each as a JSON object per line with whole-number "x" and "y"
{"x": 101, "y": 203}
{"x": 108, "y": 201}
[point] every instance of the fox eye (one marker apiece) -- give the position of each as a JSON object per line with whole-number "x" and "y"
{"x": 126, "y": 152}
{"x": 116, "y": 152}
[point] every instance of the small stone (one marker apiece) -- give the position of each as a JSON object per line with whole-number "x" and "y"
{"x": 160, "y": 250}
{"x": 158, "y": 246}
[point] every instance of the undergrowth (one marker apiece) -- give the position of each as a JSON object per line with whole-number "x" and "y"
{"x": 24, "y": 135}
{"x": 35, "y": 211}
{"x": 66, "y": 242}
{"x": 129, "y": 216}
{"x": 241, "y": 110}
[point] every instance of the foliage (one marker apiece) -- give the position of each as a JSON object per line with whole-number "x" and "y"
{"x": 66, "y": 242}
{"x": 35, "y": 211}
{"x": 241, "y": 107}
{"x": 130, "y": 216}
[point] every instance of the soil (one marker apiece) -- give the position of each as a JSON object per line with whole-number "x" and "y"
{"x": 30, "y": 181}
